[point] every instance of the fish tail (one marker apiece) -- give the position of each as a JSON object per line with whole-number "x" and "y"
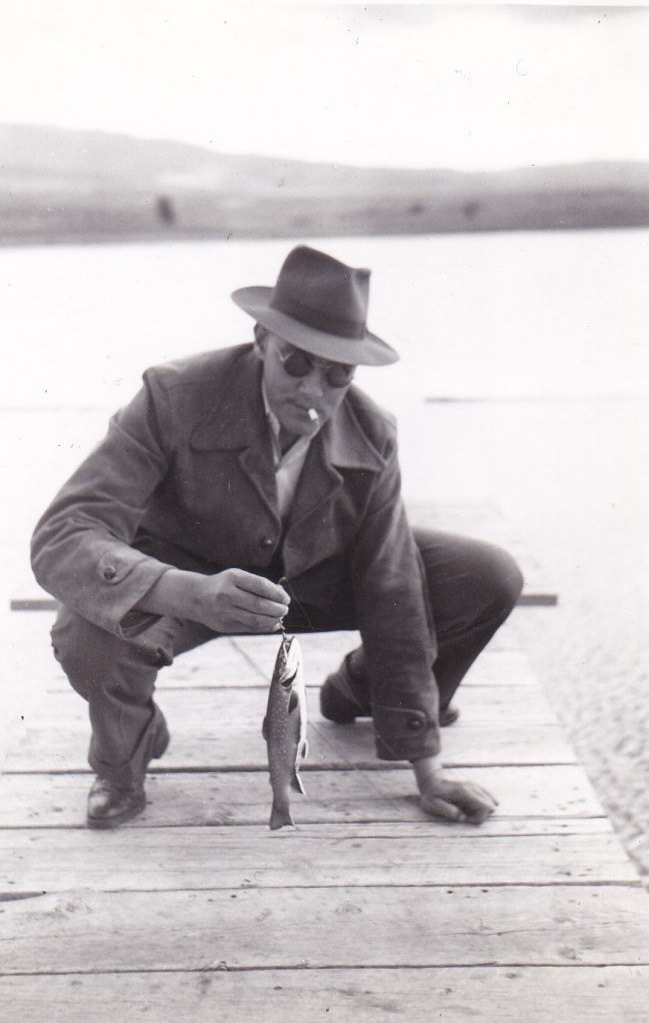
{"x": 280, "y": 817}
{"x": 297, "y": 784}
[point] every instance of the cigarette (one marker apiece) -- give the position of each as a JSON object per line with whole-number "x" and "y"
{"x": 313, "y": 415}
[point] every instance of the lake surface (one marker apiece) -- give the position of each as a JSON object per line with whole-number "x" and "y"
{"x": 548, "y": 330}
{"x": 513, "y": 314}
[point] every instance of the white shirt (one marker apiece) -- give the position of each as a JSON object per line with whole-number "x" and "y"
{"x": 288, "y": 466}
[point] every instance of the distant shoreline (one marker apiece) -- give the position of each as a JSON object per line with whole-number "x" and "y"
{"x": 98, "y": 237}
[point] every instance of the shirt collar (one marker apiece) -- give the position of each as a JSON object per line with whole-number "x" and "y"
{"x": 296, "y": 450}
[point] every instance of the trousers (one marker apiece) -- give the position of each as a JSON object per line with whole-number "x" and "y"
{"x": 473, "y": 586}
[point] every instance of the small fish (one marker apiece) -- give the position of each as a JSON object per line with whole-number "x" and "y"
{"x": 284, "y": 729}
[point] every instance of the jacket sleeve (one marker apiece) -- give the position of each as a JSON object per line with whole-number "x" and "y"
{"x": 81, "y": 551}
{"x": 394, "y": 620}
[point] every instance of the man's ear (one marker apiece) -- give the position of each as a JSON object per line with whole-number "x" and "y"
{"x": 261, "y": 341}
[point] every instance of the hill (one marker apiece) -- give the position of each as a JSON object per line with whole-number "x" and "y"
{"x": 60, "y": 185}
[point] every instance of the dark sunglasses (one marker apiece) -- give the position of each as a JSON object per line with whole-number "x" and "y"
{"x": 298, "y": 364}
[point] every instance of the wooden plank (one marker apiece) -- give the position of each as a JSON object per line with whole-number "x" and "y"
{"x": 222, "y": 729}
{"x": 511, "y": 706}
{"x": 33, "y": 603}
{"x": 241, "y": 661}
{"x": 322, "y": 653}
{"x": 316, "y": 856}
{"x": 527, "y": 796}
{"x": 325, "y": 928}
{"x": 568, "y": 994}
{"x": 248, "y": 663}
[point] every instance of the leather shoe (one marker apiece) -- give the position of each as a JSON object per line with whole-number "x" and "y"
{"x": 110, "y": 805}
{"x": 344, "y": 696}
{"x": 449, "y": 716}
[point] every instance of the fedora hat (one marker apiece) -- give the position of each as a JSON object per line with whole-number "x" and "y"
{"x": 320, "y": 306}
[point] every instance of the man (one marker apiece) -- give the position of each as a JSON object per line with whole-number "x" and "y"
{"x": 237, "y": 468}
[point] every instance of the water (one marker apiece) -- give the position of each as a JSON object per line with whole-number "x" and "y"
{"x": 529, "y": 313}
{"x": 549, "y": 328}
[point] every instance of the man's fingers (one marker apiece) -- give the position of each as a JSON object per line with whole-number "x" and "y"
{"x": 248, "y": 621}
{"x": 440, "y": 808}
{"x": 259, "y": 607}
{"x": 477, "y": 810}
{"x": 471, "y": 797}
{"x": 259, "y": 586}
{"x": 480, "y": 815}
{"x": 481, "y": 793}
{"x": 458, "y": 801}
{"x": 239, "y": 601}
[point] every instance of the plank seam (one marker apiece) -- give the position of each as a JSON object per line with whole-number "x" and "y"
{"x": 361, "y": 765}
{"x": 426, "y": 885}
{"x": 225, "y": 967}
{"x": 318, "y": 823}
{"x": 451, "y": 835}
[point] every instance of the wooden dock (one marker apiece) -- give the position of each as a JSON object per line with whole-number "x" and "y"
{"x": 367, "y": 911}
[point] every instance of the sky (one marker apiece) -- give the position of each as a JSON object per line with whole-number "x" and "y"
{"x": 466, "y": 87}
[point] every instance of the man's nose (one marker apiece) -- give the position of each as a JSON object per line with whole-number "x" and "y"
{"x": 314, "y": 383}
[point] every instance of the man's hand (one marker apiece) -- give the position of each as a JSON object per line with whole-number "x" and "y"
{"x": 230, "y": 601}
{"x": 452, "y": 800}
{"x": 238, "y": 601}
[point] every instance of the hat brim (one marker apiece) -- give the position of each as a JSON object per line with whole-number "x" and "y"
{"x": 368, "y": 350}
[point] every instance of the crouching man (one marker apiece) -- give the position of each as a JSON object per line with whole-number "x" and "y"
{"x": 229, "y": 471}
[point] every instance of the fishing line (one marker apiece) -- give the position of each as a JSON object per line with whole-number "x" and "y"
{"x": 285, "y": 583}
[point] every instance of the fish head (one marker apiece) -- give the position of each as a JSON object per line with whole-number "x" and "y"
{"x": 288, "y": 663}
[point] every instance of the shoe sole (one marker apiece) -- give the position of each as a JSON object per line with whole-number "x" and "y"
{"x": 449, "y": 717}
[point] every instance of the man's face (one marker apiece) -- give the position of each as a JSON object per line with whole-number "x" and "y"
{"x": 291, "y": 397}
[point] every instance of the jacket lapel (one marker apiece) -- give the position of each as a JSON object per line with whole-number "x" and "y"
{"x": 319, "y": 480}
{"x": 340, "y": 445}
{"x": 238, "y": 424}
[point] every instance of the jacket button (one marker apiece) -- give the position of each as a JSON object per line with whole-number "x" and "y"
{"x": 266, "y": 541}
{"x": 110, "y": 572}
{"x": 414, "y": 724}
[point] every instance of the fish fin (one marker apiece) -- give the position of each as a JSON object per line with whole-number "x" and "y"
{"x": 280, "y": 818}
{"x": 297, "y": 784}
{"x": 264, "y": 728}
{"x": 296, "y": 780}
{"x": 293, "y": 701}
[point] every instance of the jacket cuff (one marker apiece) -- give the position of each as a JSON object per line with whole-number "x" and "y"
{"x": 404, "y": 734}
{"x": 124, "y": 576}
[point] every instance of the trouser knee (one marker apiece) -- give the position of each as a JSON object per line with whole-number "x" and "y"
{"x": 470, "y": 582}
{"x": 504, "y": 578}
{"x": 94, "y": 659}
